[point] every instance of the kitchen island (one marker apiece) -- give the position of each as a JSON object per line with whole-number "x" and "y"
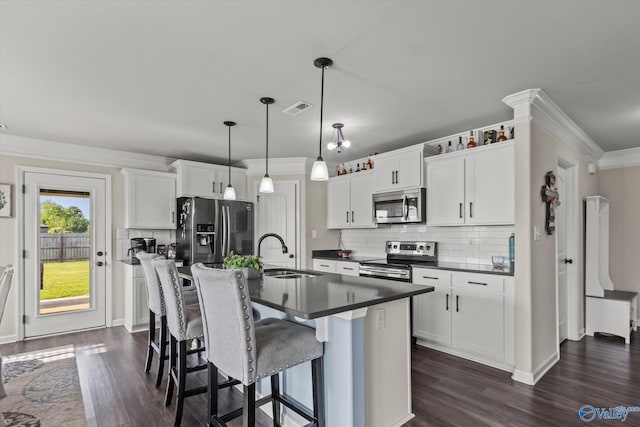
{"x": 364, "y": 324}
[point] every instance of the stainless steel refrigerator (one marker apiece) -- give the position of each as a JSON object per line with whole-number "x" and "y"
{"x": 208, "y": 230}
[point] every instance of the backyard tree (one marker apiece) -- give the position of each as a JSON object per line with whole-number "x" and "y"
{"x": 61, "y": 219}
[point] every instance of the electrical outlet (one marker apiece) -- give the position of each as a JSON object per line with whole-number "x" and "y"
{"x": 381, "y": 318}
{"x": 536, "y": 233}
{"x": 314, "y": 234}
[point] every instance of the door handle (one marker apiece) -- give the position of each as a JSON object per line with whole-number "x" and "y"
{"x": 352, "y": 216}
{"x": 457, "y": 303}
{"x": 347, "y": 217}
{"x": 291, "y": 255}
{"x": 447, "y": 307}
{"x": 470, "y": 209}
{"x": 100, "y": 253}
{"x": 460, "y": 210}
{"x": 393, "y": 181}
{"x": 220, "y": 187}
{"x": 568, "y": 261}
{"x": 396, "y": 177}
{"x": 213, "y": 187}
{"x": 173, "y": 217}
{"x": 100, "y": 263}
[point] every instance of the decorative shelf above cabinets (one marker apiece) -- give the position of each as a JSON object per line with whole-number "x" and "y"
{"x": 472, "y": 187}
{"x": 150, "y": 199}
{"x": 196, "y": 179}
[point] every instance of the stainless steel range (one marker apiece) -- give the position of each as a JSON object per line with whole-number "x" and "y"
{"x": 400, "y": 257}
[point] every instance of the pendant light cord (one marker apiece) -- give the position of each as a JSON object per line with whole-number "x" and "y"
{"x": 321, "y": 108}
{"x": 267, "y": 144}
{"x": 229, "y": 155}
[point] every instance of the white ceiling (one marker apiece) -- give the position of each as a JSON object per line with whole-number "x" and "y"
{"x": 160, "y": 77}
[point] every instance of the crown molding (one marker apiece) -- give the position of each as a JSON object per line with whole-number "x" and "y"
{"x": 279, "y": 166}
{"x": 13, "y": 145}
{"x": 620, "y": 159}
{"x": 536, "y": 105}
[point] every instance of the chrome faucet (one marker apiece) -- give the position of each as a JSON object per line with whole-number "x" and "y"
{"x": 264, "y": 236}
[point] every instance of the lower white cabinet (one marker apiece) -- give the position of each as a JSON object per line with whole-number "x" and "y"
{"x": 469, "y": 315}
{"x": 348, "y": 268}
{"x": 136, "y": 306}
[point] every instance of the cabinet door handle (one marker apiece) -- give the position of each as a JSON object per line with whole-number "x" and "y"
{"x": 470, "y": 209}
{"x": 457, "y": 303}
{"x": 396, "y": 177}
{"x": 393, "y": 179}
{"x": 221, "y": 187}
{"x": 173, "y": 217}
{"x": 352, "y": 216}
{"x": 347, "y": 216}
{"x": 477, "y": 283}
{"x": 213, "y": 187}
{"x": 447, "y": 307}
{"x": 460, "y": 210}
{"x": 429, "y": 277}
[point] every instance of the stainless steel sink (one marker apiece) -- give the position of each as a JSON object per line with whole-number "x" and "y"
{"x": 287, "y": 273}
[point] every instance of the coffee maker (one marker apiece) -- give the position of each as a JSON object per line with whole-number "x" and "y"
{"x": 141, "y": 244}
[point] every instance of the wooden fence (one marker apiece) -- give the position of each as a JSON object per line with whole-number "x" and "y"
{"x": 60, "y": 247}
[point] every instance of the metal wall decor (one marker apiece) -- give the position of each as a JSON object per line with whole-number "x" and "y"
{"x": 549, "y": 193}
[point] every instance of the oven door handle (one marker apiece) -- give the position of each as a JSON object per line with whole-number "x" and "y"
{"x": 378, "y": 270}
{"x": 405, "y": 207}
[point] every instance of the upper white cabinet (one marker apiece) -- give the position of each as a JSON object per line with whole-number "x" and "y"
{"x": 150, "y": 199}
{"x": 399, "y": 169}
{"x": 350, "y": 201}
{"x": 195, "y": 179}
{"x": 472, "y": 187}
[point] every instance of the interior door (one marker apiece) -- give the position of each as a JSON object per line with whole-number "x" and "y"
{"x": 65, "y": 260}
{"x": 561, "y": 233}
{"x": 277, "y": 213}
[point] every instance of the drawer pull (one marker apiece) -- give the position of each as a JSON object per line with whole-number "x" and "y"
{"x": 477, "y": 283}
{"x": 429, "y": 277}
{"x": 324, "y": 265}
{"x": 347, "y": 268}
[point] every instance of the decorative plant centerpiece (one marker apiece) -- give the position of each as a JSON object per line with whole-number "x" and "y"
{"x": 249, "y": 264}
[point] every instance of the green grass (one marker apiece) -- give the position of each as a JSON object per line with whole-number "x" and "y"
{"x": 65, "y": 279}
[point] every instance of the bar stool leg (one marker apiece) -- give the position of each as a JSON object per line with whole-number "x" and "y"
{"x": 317, "y": 379}
{"x": 249, "y": 405}
{"x": 182, "y": 381}
{"x": 212, "y": 386}
{"x": 172, "y": 367}
{"x": 275, "y": 392}
{"x": 162, "y": 345}
{"x": 150, "y": 339}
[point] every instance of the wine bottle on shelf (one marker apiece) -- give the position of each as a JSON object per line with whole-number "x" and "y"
{"x": 449, "y": 148}
{"x": 472, "y": 140}
{"x": 512, "y": 132}
{"x": 343, "y": 171}
{"x": 350, "y": 168}
{"x": 369, "y": 164}
{"x": 501, "y": 135}
{"x": 358, "y": 168}
{"x": 439, "y": 148}
{"x": 460, "y": 144}
{"x": 338, "y": 169}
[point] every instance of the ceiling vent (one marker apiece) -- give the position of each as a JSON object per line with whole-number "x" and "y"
{"x": 297, "y": 108}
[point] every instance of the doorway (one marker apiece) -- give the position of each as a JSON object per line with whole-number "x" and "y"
{"x": 568, "y": 299}
{"x": 277, "y": 212}
{"x": 64, "y": 223}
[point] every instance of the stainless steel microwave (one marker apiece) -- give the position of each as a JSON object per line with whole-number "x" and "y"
{"x": 400, "y": 207}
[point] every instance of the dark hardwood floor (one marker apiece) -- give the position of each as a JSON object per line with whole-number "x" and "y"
{"x": 447, "y": 391}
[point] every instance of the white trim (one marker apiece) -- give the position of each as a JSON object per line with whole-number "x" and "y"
{"x": 550, "y": 116}
{"x": 13, "y": 145}
{"x": 523, "y": 377}
{"x": 6, "y": 339}
{"x": 531, "y": 378}
{"x": 278, "y": 166}
{"x": 402, "y": 421}
{"x": 502, "y": 365}
{"x": 20, "y": 172}
{"x": 117, "y": 322}
{"x": 620, "y": 159}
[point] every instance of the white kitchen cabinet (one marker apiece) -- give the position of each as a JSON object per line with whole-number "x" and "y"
{"x": 195, "y": 179}
{"x": 469, "y": 315}
{"x": 398, "y": 170}
{"x": 474, "y": 187}
{"x": 136, "y": 307}
{"x": 150, "y": 199}
{"x": 350, "y": 201}
{"x": 348, "y": 268}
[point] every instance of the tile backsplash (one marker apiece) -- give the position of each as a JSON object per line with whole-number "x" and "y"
{"x": 468, "y": 244}
{"x": 163, "y": 237}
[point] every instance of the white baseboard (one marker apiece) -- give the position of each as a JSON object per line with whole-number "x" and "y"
{"x": 504, "y": 366}
{"x": 117, "y": 322}
{"x": 531, "y": 378}
{"x": 6, "y": 339}
{"x": 402, "y": 421}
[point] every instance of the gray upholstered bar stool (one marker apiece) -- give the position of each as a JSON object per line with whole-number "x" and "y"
{"x": 250, "y": 351}
{"x": 156, "y": 307}
{"x": 185, "y": 324}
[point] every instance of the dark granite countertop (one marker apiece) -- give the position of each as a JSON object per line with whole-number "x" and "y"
{"x": 469, "y": 268}
{"x": 350, "y": 259}
{"x": 616, "y": 295}
{"x": 324, "y": 294}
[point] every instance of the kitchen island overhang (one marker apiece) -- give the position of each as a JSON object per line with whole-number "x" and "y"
{"x": 365, "y": 326}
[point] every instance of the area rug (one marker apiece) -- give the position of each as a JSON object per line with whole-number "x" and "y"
{"x": 43, "y": 389}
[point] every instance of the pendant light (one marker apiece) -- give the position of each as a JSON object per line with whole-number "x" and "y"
{"x": 266, "y": 185}
{"x": 319, "y": 171}
{"x": 229, "y": 192}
